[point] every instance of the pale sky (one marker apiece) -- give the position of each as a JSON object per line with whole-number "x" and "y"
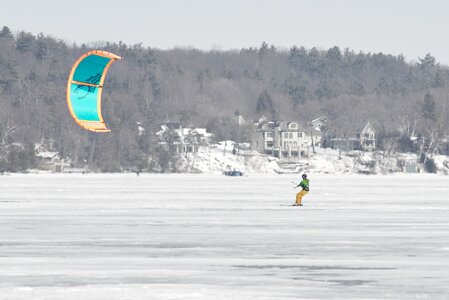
{"x": 409, "y": 27}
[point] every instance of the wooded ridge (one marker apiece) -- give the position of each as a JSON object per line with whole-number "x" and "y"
{"x": 207, "y": 89}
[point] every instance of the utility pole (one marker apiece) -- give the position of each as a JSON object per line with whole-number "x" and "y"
{"x": 311, "y": 136}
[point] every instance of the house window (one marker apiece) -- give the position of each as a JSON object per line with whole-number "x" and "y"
{"x": 288, "y": 135}
{"x": 269, "y": 134}
{"x": 295, "y": 145}
{"x": 269, "y": 144}
{"x": 300, "y": 134}
{"x": 293, "y": 126}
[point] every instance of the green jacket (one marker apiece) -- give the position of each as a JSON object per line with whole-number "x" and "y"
{"x": 304, "y": 184}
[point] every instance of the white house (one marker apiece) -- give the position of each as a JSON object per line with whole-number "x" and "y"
{"x": 367, "y": 137}
{"x": 280, "y": 139}
{"x": 183, "y": 140}
{"x": 49, "y": 160}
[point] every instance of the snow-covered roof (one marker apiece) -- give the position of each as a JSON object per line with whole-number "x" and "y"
{"x": 46, "y": 154}
{"x": 171, "y": 125}
{"x": 280, "y": 125}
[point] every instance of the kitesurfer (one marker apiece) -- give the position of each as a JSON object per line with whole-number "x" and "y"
{"x": 304, "y": 184}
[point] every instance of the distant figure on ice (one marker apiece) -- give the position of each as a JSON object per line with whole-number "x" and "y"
{"x": 304, "y": 184}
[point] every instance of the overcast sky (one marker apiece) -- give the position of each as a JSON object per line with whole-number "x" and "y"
{"x": 409, "y": 27}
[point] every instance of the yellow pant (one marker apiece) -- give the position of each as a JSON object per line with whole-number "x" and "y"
{"x": 299, "y": 196}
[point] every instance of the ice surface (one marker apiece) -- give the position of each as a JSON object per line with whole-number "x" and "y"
{"x": 217, "y": 237}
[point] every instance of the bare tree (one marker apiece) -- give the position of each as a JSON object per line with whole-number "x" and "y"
{"x": 7, "y": 131}
{"x": 409, "y": 119}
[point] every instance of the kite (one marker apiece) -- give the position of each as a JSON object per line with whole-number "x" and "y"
{"x": 84, "y": 89}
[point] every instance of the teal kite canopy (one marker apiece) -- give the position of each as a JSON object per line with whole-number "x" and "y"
{"x": 85, "y": 86}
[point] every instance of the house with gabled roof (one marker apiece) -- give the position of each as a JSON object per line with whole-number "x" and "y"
{"x": 280, "y": 139}
{"x": 48, "y": 160}
{"x": 367, "y": 138}
{"x": 183, "y": 140}
{"x": 364, "y": 139}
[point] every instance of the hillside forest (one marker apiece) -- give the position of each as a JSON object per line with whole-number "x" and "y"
{"x": 403, "y": 99}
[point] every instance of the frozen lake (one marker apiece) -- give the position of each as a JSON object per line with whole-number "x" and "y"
{"x": 216, "y": 237}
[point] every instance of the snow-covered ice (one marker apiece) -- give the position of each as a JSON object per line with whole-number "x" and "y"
{"x": 216, "y": 237}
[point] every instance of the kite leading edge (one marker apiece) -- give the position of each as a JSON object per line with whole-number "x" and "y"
{"x": 84, "y": 89}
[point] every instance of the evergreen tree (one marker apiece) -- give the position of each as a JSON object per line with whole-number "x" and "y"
{"x": 6, "y": 33}
{"x": 428, "y": 108}
{"x": 25, "y": 42}
{"x": 265, "y": 104}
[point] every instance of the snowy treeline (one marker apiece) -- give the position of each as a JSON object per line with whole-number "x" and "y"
{"x": 207, "y": 89}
